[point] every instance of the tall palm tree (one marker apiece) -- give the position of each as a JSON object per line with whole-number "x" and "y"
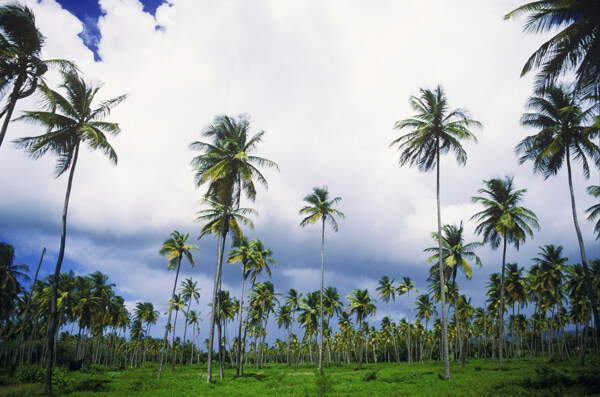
{"x": 332, "y": 305}
{"x": 516, "y": 291}
{"x": 362, "y": 306}
{"x": 407, "y": 285}
{"x": 189, "y": 292}
{"x": 20, "y": 65}
{"x": 175, "y": 248}
{"x": 574, "y": 46}
{"x": 229, "y": 169}
{"x": 221, "y": 219}
{"x": 69, "y": 121}
{"x": 502, "y": 222}
{"x": 561, "y": 118}
{"x": 436, "y": 129}
{"x": 455, "y": 254}
{"x": 387, "y": 293}
{"x": 319, "y": 207}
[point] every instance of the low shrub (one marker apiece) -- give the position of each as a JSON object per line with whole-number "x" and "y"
{"x": 29, "y": 373}
{"x": 369, "y": 376}
{"x": 323, "y": 383}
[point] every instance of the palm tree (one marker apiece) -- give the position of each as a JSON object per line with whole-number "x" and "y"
{"x": 575, "y": 46}
{"x": 260, "y": 259}
{"x": 516, "y": 291}
{"x": 332, "y": 305}
{"x": 70, "y": 121}
{"x": 21, "y": 66}
{"x": 194, "y": 319}
{"x": 387, "y": 293}
{"x": 175, "y": 249}
{"x": 406, "y": 285}
{"x": 502, "y": 222}
{"x": 229, "y": 169}
{"x": 559, "y": 116}
{"x": 319, "y": 207}
{"x": 455, "y": 254}
{"x": 189, "y": 292}
{"x": 221, "y": 219}
{"x": 362, "y": 306}
{"x": 594, "y": 210}
{"x": 435, "y": 130}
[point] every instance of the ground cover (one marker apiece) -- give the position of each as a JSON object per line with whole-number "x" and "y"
{"x": 529, "y": 377}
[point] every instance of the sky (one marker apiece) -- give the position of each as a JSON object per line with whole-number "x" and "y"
{"x": 326, "y": 81}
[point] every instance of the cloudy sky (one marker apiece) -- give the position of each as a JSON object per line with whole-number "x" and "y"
{"x": 326, "y": 80}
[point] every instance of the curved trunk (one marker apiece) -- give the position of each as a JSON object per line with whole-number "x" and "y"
{"x": 588, "y": 279}
{"x": 162, "y": 353}
{"x": 322, "y": 276}
{"x": 52, "y": 324}
{"x": 14, "y": 97}
{"x": 441, "y": 266}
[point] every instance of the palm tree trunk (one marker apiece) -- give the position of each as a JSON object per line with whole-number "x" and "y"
{"x": 588, "y": 279}
{"x": 14, "y": 97}
{"x": 246, "y": 323}
{"x": 53, "y": 322}
{"x": 441, "y": 266}
{"x": 162, "y": 353}
{"x": 322, "y": 276}
{"x": 501, "y": 325}
{"x": 214, "y": 312}
{"x": 185, "y": 333}
{"x": 174, "y": 350}
{"x": 239, "y": 355}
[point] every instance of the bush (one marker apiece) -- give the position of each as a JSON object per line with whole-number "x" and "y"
{"x": 94, "y": 369}
{"x": 60, "y": 378}
{"x": 29, "y": 373}
{"x": 369, "y": 376}
{"x": 323, "y": 383}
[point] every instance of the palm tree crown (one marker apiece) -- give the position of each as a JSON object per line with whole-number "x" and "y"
{"x": 575, "y": 46}
{"x": 320, "y": 208}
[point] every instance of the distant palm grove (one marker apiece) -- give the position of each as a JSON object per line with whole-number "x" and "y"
{"x": 66, "y": 322}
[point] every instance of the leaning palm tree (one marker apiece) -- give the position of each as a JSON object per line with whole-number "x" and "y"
{"x": 561, "y": 118}
{"x": 436, "y": 129}
{"x": 175, "y": 249}
{"x": 455, "y": 254}
{"x": 70, "y": 121}
{"x": 362, "y": 306}
{"x": 319, "y": 207}
{"x": 229, "y": 169}
{"x": 20, "y": 65}
{"x": 574, "y": 46}
{"x": 502, "y": 222}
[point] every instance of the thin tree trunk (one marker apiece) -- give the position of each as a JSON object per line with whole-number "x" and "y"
{"x": 14, "y": 96}
{"x": 501, "y": 325}
{"x": 21, "y": 346}
{"x": 322, "y": 276}
{"x": 162, "y": 353}
{"x": 441, "y": 266}
{"x": 185, "y": 332}
{"x": 214, "y": 314}
{"x": 241, "y": 346}
{"x": 588, "y": 279}
{"x": 53, "y": 322}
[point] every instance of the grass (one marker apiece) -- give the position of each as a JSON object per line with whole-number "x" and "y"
{"x": 529, "y": 377}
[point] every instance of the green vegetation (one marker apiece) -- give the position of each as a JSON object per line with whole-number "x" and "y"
{"x": 530, "y": 377}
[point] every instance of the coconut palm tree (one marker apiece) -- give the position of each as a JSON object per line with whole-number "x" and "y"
{"x": 194, "y": 319}
{"x": 21, "y": 65}
{"x": 574, "y": 46}
{"x": 516, "y": 291}
{"x": 503, "y": 222}
{"x": 189, "y": 292}
{"x": 69, "y": 121}
{"x": 332, "y": 305}
{"x": 320, "y": 208}
{"x": 407, "y": 285}
{"x": 221, "y": 219}
{"x": 175, "y": 248}
{"x": 455, "y": 254}
{"x": 594, "y": 210}
{"x": 387, "y": 293}
{"x": 561, "y": 118}
{"x": 436, "y": 129}
{"x": 229, "y": 169}
{"x": 361, "y": 306}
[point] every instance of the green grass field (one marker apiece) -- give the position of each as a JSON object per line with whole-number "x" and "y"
{"x": 479, "y": 378}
